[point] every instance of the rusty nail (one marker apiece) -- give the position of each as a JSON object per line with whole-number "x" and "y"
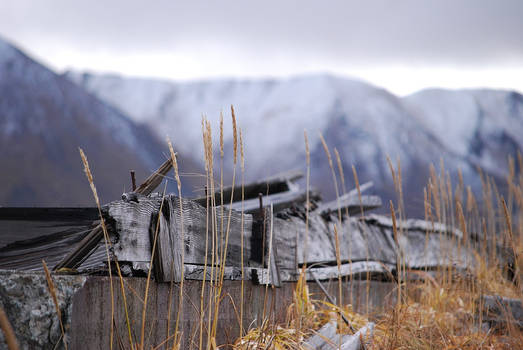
{"x": 133, "y": 180}
{"x": 260, "y": 197}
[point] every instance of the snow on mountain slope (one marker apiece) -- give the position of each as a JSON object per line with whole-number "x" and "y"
{"x": 272, "y": 113}
{"x": 363, "y": 122}
{"x": 482, "y": 126}
{"x": 44, "y": 118}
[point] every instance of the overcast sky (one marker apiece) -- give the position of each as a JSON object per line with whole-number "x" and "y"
{"x": 400, "y": 45}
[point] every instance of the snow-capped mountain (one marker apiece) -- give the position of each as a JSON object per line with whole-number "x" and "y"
{"x": 44, "y": 118}
{"x": 464, "y": 128}
{"x": 481, "y": 126}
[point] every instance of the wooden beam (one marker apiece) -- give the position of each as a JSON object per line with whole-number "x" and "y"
{"x": 352, "y": 203}
{"x": 271, "y": 185}
{"x": 358, "y": 268}
{"x": 167, "y": 260}
{"x": 499, "y": 311}
{"x": 279, "y": 201}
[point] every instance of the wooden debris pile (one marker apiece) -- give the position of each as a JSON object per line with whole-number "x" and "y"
{"x": 272, "y": 222}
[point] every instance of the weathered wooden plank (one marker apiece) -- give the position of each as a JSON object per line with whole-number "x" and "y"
{"x": 196, "y": 231}
{"x": 29, "y": 235}
{"x": 168, "y": 245}
{"x": 351, "y": 203}
{"x": 156, "y": 178}
{"x": 422, "y": 249}
{"x": 20, "y": 224}
{"x": 132, "y": 224}
{"x": 327, "y": 338}
{"x": 279, "y": 201}
{"x": 359, "y": 268}
{"x": 425, "y": 244}
{"x": 198, "y": 272}
{"x": 361, "y": 339}
{"x": 273, "y": 254}
{"x": 267, "y": 186}
{"x": 86, "y": 246}
{"x": 27, "y": 255}
{"x": 130, "y": 221}
{"x": 49, "y": 214}
{"x": 499, "y": 311}
{"x": 363, "y": 188}
{"x": 414, "y": 224}
{"x": 370, "y": 239}
{"x": 357, "y": 241}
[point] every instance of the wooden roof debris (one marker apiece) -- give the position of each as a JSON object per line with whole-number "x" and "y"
{"x": 273, "y": 227}
{"x": 279, "y": 183}
{"x": 30, "y": 234}
{"x": 328, "y": 338}
{"x": 352, "y": 202}
{"x": 499, "y": 312}
{"x": 90, "y": 242}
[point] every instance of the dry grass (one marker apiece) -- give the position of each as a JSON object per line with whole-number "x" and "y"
{"x": 7, "y": 329}
{"x": 444, "y": 310}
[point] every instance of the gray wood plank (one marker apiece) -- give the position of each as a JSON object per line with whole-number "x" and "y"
{"x": 279, "y": 201}
{"x": 167, "y": 260}
{"x": 274, "y": 184}
{"x": 133, "y": 223}
{"x": 357, "y": 268}
{"x": 351, "y": 203}
{"x": 500, "y": 310}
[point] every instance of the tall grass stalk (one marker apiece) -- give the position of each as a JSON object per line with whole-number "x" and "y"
{"x": 307, "y": 199}
{"x": 52, "y": 291}
{"x": 7, "y": 329}
{"x": 242, "y": 165}
{"x": 179, "y": 315}
{"x": 224, "y": 252}
{"x": 107, "y": 240}
{"x": 335, "y": 181}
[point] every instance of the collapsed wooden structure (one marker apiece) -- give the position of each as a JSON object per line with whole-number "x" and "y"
{"x": 268, "y": 232}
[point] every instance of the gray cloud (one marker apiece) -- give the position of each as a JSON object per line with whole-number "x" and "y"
{"x": 471, "y": 32}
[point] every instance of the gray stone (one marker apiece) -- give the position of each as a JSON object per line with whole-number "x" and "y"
{"x": 29, "y": 306}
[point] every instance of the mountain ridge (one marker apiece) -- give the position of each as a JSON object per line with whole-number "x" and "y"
{"x": 363, "y": 122}
{"x": 44, "y": 119}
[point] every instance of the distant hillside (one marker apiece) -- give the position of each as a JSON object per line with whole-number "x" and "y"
{"x": 466, "y": 128}
{"x": 44, "y": 118}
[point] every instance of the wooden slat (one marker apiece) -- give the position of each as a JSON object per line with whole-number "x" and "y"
{"x": 279, "y": 201}
{"x": 327, "y": 338}
{"x": 367, "y": 240}
{"x": 150, "y": 184}
{"x": 271, "y": 185}
{"x": 132, "y": 224}
{"x": 21, "y": 224}
{"x": 363, "y": 188}
{"x": 28, "y": 255}
{"x": 168, "y": 263}
{"x": 351, "y": 203}
{"x": 357, "y": 241}
{"x": 359, "y": 268}
{"x": 499, "y": 311}
{"x": 49, "y": 214}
